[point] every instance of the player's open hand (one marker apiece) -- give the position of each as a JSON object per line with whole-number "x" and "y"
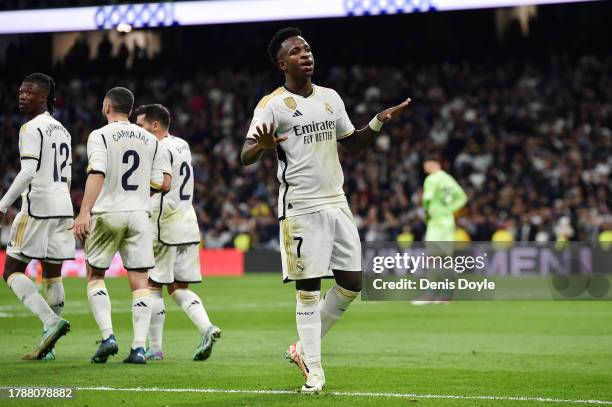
{"x": 82, "y": 226}
{"x": 266, "y": 137}
{"x": 391, "y": 112}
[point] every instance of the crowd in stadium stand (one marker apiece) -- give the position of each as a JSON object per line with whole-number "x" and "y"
{"x": 531, "y": 144}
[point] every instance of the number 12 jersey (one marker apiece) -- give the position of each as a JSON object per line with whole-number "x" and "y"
{"x": 45, "y": 140}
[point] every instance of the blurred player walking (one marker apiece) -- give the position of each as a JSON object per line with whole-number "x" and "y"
{"x": 304, "y": 122}
{"x": 442, "y": 197}
{"x": 176, "y": 240}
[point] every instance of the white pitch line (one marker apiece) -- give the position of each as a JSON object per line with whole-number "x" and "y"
{"x": 349, "y": 394}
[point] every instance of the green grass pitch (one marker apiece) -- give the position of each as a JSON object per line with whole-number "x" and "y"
{"x": 549, "y": 350}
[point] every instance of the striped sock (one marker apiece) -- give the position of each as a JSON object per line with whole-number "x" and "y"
{"x": 158, "y": 316}
{"x": 308, "y": 321}
{"x": 27, "y": 292}
{"x": 98, "y": 297}
{"x": 55, "y": 294}
{"x": 141, "y": 316}
{"x": 333, "y": 305}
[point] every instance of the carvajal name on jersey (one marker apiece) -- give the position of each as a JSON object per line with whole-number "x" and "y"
{"x": 316, "y": 131}
{"x": 53, "y": 127}
{"x": 130, "y": 135}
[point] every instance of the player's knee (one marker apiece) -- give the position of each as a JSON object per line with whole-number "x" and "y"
{"x": 154, "y": 284}
{"x": 177, "y": 286}
{"x": 12, "y": 266}
{"x": 351, "y": 286}
{"x": 310, "y": 284}
{"x": 7, "y": 273}
{"x": 348, "y": 280}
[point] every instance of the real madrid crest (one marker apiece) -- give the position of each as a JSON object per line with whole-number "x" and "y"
{"x": 290, "y": 102}
{"x": 328, "y": 108}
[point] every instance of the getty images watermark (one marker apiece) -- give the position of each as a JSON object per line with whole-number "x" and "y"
{"x": 445, "y": 271}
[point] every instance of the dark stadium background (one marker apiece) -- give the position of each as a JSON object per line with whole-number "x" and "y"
{"x": 524, "y": 119}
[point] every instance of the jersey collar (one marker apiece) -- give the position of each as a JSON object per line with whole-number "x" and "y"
{"x": 305, "y": 97}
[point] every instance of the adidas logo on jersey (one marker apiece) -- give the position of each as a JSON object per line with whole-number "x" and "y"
{"x": 297, "y": 113}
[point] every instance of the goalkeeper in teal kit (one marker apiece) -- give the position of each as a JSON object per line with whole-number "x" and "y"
{"x": 442, "y": 196}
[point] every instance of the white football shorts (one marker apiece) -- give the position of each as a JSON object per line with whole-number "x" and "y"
{"x": 315, "y": 244}
{"x": 128, "y": 233}
{"x": 176, "y": 263}
{"x": 49, "y": 240}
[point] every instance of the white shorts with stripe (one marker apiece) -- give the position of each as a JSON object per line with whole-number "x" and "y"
{"x": 176, "y": 263}
{"x": 49, "y": 240}
{"x": 128, "y": 233}
{"x": 315, "y": 244}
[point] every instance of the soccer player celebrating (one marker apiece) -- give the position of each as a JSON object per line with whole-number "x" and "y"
{"x": 41, "y": 229}
{"x": 124, "y": 161}
{"x": 176, "y": 238}
{"x": 303, "y": 122}
{"x": 442, "y": 196}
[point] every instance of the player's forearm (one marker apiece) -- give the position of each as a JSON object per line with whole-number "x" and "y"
{"x": 93, "y": 186}
{"x": 251, "y": 152}
{"x": 459, "y": 201}
{"x": 360, "y": 140}
{"x": 20, "y": 183}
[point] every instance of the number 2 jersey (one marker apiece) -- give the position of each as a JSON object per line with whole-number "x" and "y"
{"x": 309, "y": 169}
{"x": 45, "y": 140}
{"x": 132, "y": 162}
{"x": 174, "y": 217}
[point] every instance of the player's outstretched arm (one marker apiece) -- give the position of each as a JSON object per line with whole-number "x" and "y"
{"x": 363, "y": 138}
{"x": 264, "y": 139}
{"x": 82, "y": 223}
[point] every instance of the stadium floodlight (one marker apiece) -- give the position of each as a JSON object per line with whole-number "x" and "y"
{"x": 147, "y": 15}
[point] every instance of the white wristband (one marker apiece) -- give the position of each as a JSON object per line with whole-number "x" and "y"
{"x": 375, "y": 124}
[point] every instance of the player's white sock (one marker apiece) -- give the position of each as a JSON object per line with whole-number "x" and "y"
{"x": 158, "y": 316}
{"x": 141, "y": 316}
{"x": 28, "y": 294}
{"x": 55, "y": 294}
{"x": 308, "y": 321}
{"x": 193, "y": 307}
{"x": 333, "y": 305}
{"x": 98, "y": 297}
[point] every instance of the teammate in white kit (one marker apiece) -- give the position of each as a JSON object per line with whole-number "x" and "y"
{"x": 126, "y": 164}
{"x": 41, "y": 229}
{"x": 176, "y": 240}
{"x": 318, "y": 237}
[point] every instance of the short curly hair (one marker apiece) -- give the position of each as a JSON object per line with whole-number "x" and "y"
{"x": 47, "y": 84}
{"x": 276, "y": 41}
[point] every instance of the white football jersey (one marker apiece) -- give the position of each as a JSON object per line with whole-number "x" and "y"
{"x": 174, "y": 217}
{"x": 45, "y": 139}
{"x": 132, "y": 161}
{"x": 309, "y": 169}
